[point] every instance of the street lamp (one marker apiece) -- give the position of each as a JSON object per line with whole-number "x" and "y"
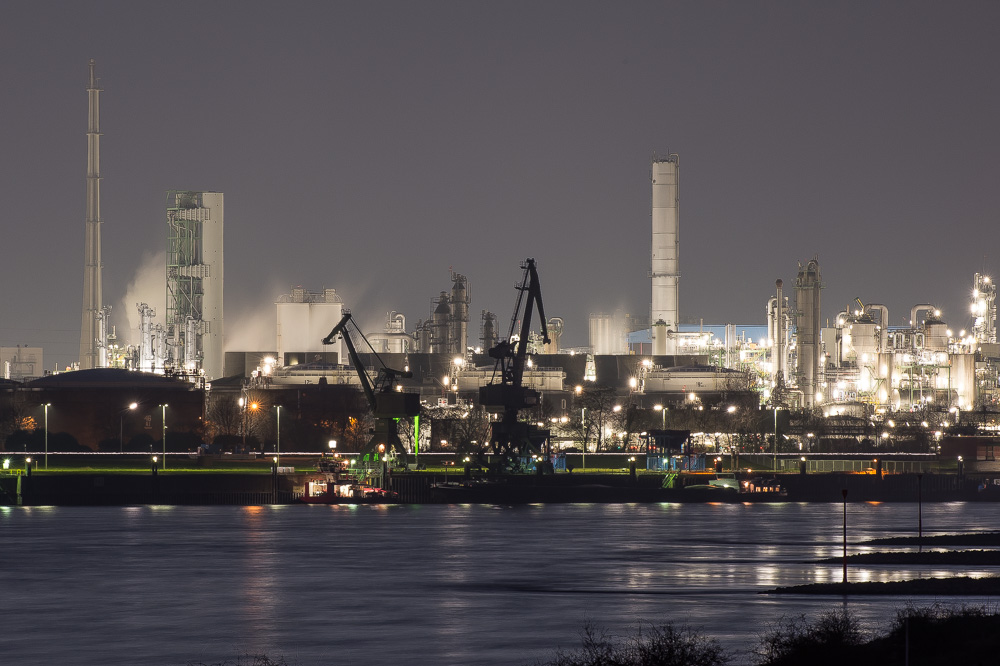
{"x": 45, "y": 407}
{"x": 121, "y": 426}
{"x": 277, "y": 446}
{"x": 663, "y": 415}
{"x": 583, "y": 427}
{"x": 163, "y": 421}
{"x": 333, "y": 447}
{"x": 775, "y": 463}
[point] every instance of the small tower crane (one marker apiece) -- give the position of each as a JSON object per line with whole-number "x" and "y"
{"x": 388, "y": 403}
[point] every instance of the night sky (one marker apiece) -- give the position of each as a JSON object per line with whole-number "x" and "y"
{"x": 370, "y": 146}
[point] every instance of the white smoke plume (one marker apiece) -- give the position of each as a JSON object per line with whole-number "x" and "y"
{"x": 251, "y": 329}
{"x": 149, "y": 285}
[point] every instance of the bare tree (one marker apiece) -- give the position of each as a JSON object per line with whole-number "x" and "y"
{"x": 599, "y": 401}
{"x": 223, "y": 416}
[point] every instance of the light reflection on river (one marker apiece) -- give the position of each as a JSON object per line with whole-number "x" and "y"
{"x": 423, "y": 584}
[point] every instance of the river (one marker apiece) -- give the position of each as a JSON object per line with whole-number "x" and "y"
{"x": 425, "y": 584}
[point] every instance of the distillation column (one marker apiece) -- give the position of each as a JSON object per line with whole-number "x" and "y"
{"x": 664, "y": 264}
{"x": 90, "y": 342}
{"x": 807, "y": 331}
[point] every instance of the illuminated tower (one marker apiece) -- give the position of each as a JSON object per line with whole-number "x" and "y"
{"x": 984, "y": 309}
{"x": 808, "y": 284}
{"x": 194, "y": 282}
{"x": 92, "y": 344}
{"x": 664, "y": 266}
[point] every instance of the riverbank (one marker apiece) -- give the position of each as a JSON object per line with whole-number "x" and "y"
{"x": 222, "y": 480}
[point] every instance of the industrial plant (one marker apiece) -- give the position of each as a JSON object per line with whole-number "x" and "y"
{"x": 855, "y": 364}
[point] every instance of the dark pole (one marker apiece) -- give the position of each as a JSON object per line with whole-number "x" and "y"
{"x": 844, "y": 493}
{"x": 920, "y": 514}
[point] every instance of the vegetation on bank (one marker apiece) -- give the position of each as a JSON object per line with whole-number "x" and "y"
{"x": 955, "y": 557}
{"x": 961, "y": 586}
{"x": 933, "y": 635}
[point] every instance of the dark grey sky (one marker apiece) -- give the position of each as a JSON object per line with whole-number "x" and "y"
{"x": 368, "y": 146}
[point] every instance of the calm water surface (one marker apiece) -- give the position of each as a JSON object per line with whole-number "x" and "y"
{"x": 435, "y": 584}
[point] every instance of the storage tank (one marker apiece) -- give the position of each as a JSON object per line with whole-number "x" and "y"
{"x": 935, "y": 335}
{"x": 441, "y": 325}
{"x": 659, "y": 336}
{"x": 488, "y": 329}
{"x": 555, "y": 329}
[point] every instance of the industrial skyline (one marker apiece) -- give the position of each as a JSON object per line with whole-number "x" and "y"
{"x": 369, "y": 148}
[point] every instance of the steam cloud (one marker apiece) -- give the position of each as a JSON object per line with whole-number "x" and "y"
{"x": 148, "y": 286}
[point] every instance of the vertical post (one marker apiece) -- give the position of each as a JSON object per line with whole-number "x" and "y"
{"x": 243, "y": 421}
{"x": 844, "y": 493}
{"x": 277, "y": 446}
{"x": 920, "y": 513}
{"x": 46, "y": 408}
{"x": 274, "y": 481}
{"x": 775, "y": 463}
{"x": 583, "y": 427}
{"x": 416, "y": 440}
{"x": 163, "y": 421}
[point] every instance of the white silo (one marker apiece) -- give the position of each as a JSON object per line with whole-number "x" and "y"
{"x": 664, "y": 260}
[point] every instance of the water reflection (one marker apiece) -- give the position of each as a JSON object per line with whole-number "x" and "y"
{"x": 381, "y": 584}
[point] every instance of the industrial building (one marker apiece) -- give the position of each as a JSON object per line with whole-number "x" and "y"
{"x": 303, "y": 319}
{"x": 791, "y": 361}
{"x": 446, "y": 330}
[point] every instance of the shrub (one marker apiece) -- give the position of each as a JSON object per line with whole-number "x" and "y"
{"x": 664, "y": 645}
{"x": 831, "y": 639}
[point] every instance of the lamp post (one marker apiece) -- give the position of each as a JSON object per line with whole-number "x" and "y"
{"x": 45, "y": 408}
{"x": 163, "y": 421}
{"x": 243, "y": 421}
{"x": 844, "y": 493}
{"x": 583, "y": 427}
{"x": 277, "y": 445}
{"x": 121, "y": 426}
{"x": 775, "y": 463}
{"x": 663, "y": 415}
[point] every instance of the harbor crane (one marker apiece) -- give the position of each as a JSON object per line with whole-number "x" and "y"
{"x": 513, "y": 440}
{"x": 385, "y": 397}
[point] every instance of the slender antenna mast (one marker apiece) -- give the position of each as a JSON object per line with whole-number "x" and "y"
{"x": 90, "y": 332}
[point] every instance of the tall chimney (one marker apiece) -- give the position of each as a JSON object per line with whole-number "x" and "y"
{"x": 664, "y": 269}
{"x": 90, "y": 344}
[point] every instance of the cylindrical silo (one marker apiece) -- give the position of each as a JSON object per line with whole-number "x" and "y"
{"x": 659, "y": 334}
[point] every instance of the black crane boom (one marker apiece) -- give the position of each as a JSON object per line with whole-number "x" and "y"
{"x": 511, "y": 439}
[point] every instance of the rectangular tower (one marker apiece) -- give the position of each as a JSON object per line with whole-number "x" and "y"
{"x": 194, "y": 282}
{"x": 664, "y": 265}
